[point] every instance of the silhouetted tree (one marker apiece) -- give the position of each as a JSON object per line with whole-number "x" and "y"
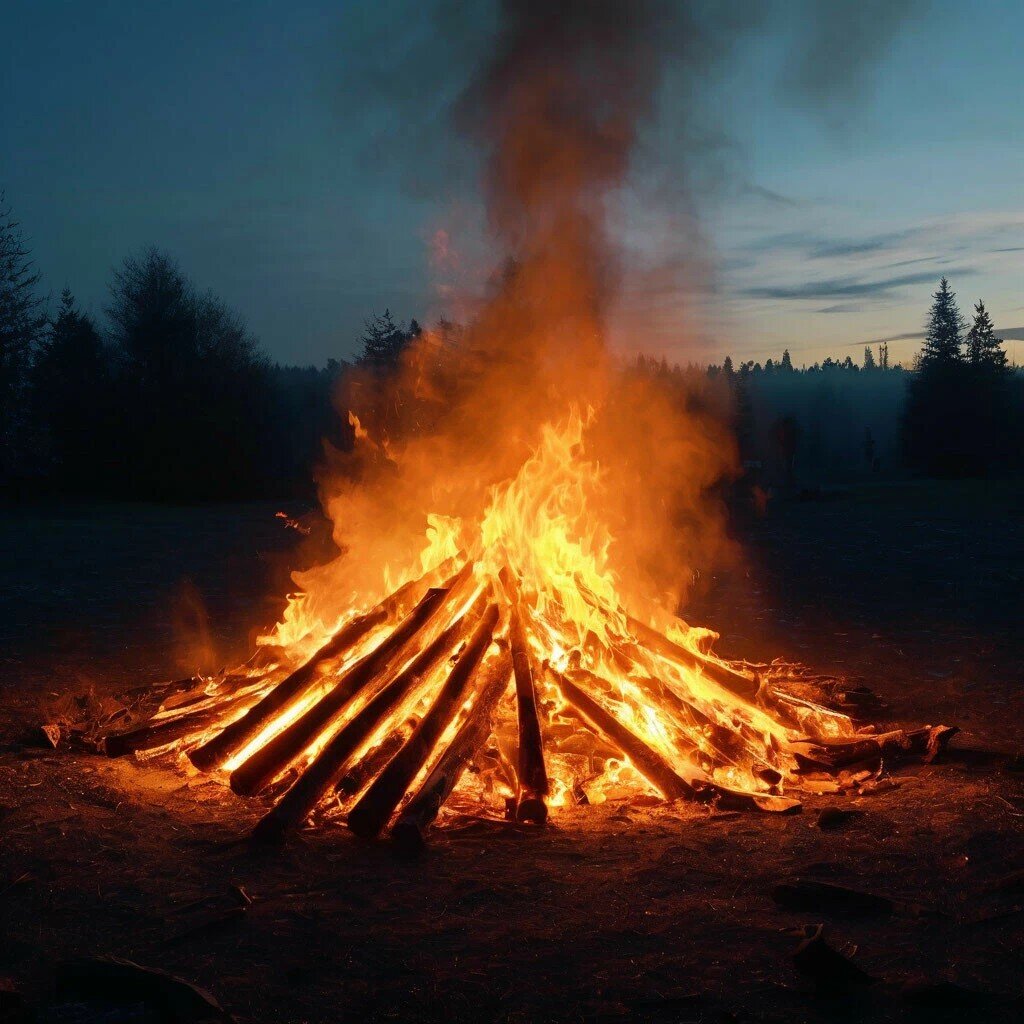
{"x": 384, "y": 341}
{"x": 22, "y": 322}
{"x": 944, "y": 329}
{"x": 787, "y": 364}
{"x": 984, "y": 349}
{"x": 192, "y": 382}
{"x": 72, "y": 402}
{"x": 869, "y": 358}
{"x": 959, "y": 412}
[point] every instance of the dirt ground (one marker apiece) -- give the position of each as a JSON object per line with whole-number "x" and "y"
{"x": 612, "y": 913}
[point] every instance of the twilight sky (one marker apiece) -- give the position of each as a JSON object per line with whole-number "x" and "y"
{"x": 297, "y": 159}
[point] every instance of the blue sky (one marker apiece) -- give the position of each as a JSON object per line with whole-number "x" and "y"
{"x": 267, "y": 147}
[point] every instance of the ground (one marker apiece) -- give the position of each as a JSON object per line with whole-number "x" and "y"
{"x": 613, "y": 913}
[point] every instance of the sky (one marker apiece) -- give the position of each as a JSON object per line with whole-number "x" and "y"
{"x": 298, "y": 160}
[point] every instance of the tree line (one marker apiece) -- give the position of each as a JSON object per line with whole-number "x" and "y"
{"x": 170, "y": 396}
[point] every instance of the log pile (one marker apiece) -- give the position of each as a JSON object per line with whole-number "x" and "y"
{"x": 387, "y": 716}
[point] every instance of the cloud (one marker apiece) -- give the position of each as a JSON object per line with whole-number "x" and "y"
{"x": 754, "y": 191}
{"x": 846, "y": 287}
{"x": 859, "y": 247}
{"x": 1005, "y": 333}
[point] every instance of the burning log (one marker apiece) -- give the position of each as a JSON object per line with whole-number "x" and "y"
{"x": 424, "y": 807}
{"x": 649, "y": 763}
{"x": 832, "y": 755}
{"x": 371, "y": 813}
{"x": 328, "y": 766}
{"x": 533, "y": 776}
{"x": 235, "y": 737}
{"x": 726, "y": 677}
{"x": 373, "y": 762}
{"x": 165, "y": 731}
{"x": 273, "y": 758}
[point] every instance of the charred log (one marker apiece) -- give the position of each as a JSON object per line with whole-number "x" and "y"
{"x": 533, "y": 776}
{"x": 287, "y": 746}
{"x": 649, "y": 763}
{"x": 234, "y": 738}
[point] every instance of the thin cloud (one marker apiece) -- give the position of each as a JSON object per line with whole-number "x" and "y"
{"x": 846, "y": 287}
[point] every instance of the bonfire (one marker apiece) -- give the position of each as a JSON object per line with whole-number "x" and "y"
{"x": 507, "y": 668}
{"x": 520, "y": 662}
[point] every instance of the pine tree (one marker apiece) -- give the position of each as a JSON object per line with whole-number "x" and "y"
{"x": 22, "y": 322}
{"x": 787, "y": 364}
{"x": 727, "y": 367}
{"x": 944, "y": 329}
{"x": 383, "y": 341}
{"x": 869, "y": 358}
{"x": 984, "y": 349}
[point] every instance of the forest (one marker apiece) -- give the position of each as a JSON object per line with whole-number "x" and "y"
{"x": 170, "y": 396}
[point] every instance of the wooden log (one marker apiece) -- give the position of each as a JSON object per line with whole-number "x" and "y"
{"x": 224, "y": 746}
{"x": 328, "y": 766}
{"x": 234, "y": 738}
{"x": 161, "y": 733}
{"x": 530, "y": 769}
{"x": 833, "y": 754}
{"x": 726, "y": 677}
{"x": 373, "y": 762}
{"x": 649, "y": 763}
{"x": 369, "y": 816}
{"x": 423, "y": 808}
{"x": 288, "y": 745}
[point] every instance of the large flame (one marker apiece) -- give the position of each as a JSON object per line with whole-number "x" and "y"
{"x": 542, "y": 541}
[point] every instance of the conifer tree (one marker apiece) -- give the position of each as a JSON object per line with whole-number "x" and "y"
{"x": 944, "y": 329}
{"x": 383, "y": 340}
{"x": 22, "y": 322}
{"x": 984, "y": 349}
